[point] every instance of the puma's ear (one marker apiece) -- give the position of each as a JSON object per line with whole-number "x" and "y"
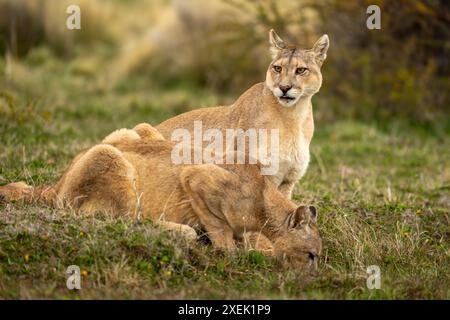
{"x": 320, "y": 49}
{"x": 276, "y": 43}
{"x": 301, "y": 216}
{"x": 210, "y": 188}
{"x": 297, "y": 218}
{"x": 313, "y": 213}
{"x": 144, "y": 130}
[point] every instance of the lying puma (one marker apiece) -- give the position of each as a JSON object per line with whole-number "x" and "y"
{"x": 131, "y": 173}
{"x": 282, "y": 102}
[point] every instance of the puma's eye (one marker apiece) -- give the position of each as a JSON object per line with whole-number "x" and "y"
{"x": 301, "y": 71}
{"x": 277, "y": 69}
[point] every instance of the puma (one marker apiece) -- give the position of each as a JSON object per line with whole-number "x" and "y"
{"x": 282, "y": 102}
{"x": 130, "y": 173}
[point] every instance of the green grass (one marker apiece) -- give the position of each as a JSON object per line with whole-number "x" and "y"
{"x": 382, "y": 192}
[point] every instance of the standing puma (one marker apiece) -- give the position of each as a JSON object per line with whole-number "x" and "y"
{"x": 282, "y": 102}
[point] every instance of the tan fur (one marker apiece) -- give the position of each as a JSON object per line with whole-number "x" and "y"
{"x": 261, "y": 107}
{"x": 126, "y": 175}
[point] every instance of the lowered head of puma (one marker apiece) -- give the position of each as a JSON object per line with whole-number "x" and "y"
{"x": 245, "y": 201}
{"x": 294, "y": 73}
{"x": 299, "y": 243}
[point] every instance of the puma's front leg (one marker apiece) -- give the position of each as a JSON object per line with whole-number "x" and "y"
{"x": 218, "y": 230}
{"x": 287, "y": 187}
{"x": 210, "y": 189}
{"x": 221, "y": 236}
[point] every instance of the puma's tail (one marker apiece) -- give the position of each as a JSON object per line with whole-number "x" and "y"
{"x": 20, "y": 191}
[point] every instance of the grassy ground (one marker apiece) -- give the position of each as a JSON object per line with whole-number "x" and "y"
{"x": 382, "y": 192}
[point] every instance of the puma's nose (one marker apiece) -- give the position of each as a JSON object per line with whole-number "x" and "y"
{"x": 285, "y": 89}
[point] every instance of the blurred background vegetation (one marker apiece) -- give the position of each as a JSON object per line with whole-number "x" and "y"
{"x": 159, "y": 58}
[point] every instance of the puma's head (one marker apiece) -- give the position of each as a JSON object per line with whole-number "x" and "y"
{"x": 300, "y": 243}
{"x": 294, "y": 73}
{"x": 293, "y": 229}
